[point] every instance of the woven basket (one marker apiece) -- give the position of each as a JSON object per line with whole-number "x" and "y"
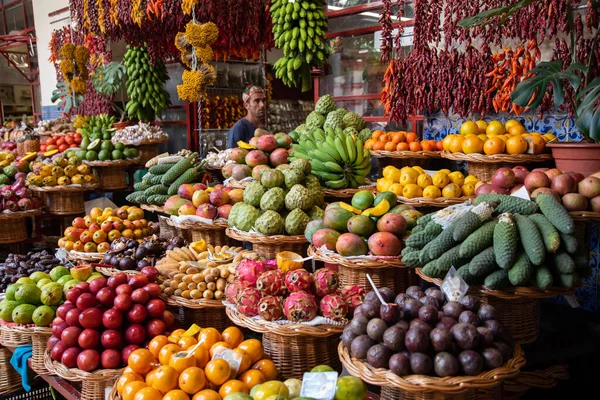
{"x": 213, "y": 233}
{"x": 10, "y": 380}
{"x": 441, "y": 202}
{"x": 64, "y": 200}
{"x": 93, "y": 384}
{"x": 269, "y": 246}
{"x": 423, "y": 387}
{"x": 294, "y": 348}
{"x": 13, "y": 335}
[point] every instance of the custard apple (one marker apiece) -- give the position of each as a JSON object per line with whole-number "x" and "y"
{"x": 242, "y": 216}
{"x": 314, "y": 120}
{"x": 296, "y": 221}
{"x": 302, "y": 165}
{"x": 298, "y": 197}
{"x": 316, "y": 213}
{"x": 353, "y": 120}
{"x": 271, "y": 178}
{"x": 253, "y": 193}
{"x": 293, "y": 177}
{"x": 273, "y": 200}
{"x": 325, "y": 104}
{"x": 334, "y": 120}
{"x": 270, "y": 223}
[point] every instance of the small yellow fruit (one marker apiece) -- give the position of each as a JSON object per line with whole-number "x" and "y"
{"x": 440, "y": 179}
{"x": 432, "y": 192}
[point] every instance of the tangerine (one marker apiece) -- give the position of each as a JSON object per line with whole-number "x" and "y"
{"x": 164, "y": 355}
{"x": 165, "y": 378}
{"x": 246, "y": 360}
{"x": 254, "y": 348}
{"x": 472, "y": 144}
{"x": 131, "y": 388}
{"x": 402, "y": 146}
{"x": 141, "y": 361}
{"x": 126, "y": 378}
{"x": 176, "y": 395}
{"x": 217, "y": 371}
{"x": 268, "y": 369}
{"x": 201, "y": 355}
{"x": 216, "y": 346}
{"x": 185, "y": 342}
{"x": 156, "y": 344}
{"x": 233, "y": 386}
{"x": 390, "y": 146}
{"x": 192, "y": 380}
{"x": 494, "y": 145}
{"x": 516, "y": 145}
{"x": 148, "y": 393}
{"x": 181, "y": 363}
{"x": 253, "y": 377}
{"x": 206, "y": 394}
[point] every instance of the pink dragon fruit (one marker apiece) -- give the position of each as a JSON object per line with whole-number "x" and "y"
{"x": 300, "y": 307}
{"x": 334, "y": 307}
{"x": 247, "y": 301}
{"x": 269, "y": 308}
{"x": 270, "y": 283}
{"x": 269, "y": 265}
{"x": 249, "y": 271}
{"x": 233, "y": 289}
{"x": 353, "y": 295}
{"x": 325, "y": 281}
{"x": 297, "y": 280}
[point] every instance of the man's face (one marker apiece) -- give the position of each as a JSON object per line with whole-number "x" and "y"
{"x": 256, "y": 106}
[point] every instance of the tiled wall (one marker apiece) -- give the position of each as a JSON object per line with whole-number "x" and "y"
{"x": 563, "y": 127}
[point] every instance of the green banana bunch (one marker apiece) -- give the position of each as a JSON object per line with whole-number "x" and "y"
{"x": 145, "y": 85}
{"x": 339, "y": 160}
{"x": 299, "y": 28}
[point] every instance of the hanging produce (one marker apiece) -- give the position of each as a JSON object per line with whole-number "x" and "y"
{"x": 299, "y": 29}
{"x": 145, "y": 82}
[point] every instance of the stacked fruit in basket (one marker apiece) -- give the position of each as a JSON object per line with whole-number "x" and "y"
{"x": 21, "y": 265}
{"x": 260, "y": 288}
{"x": 411, "y": 182}
{"x": 61, "y": 143}
{"x": 576, "y": 192}
{"x": 205, "y": 202}
{"x": 264, "y": 149}
{"x": 370, "y": 225}
{"x": 96, "y": 231}
{"x": 61, "y": 170}
{"x": 102, "y": 322}
{"x": 423, "y": 333}
{"x": 130, "y": 254}
{"x": 165, "y": 175}
{"x": 34, "y": 299}
{"x": 289, "y": 197}
{"x": 400, "y": 141}
{"x": 502, "y": 240}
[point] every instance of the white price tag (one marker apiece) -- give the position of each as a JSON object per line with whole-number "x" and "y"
{"x": 319, "y": 385}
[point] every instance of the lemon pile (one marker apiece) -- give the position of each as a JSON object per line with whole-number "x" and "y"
{"x": 412, "y": 182}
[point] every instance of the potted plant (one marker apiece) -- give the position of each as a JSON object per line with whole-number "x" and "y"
{"x": 108, "y": 80}
{"x": 582, "y": 97}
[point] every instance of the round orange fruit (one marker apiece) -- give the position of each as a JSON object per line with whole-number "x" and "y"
{"x": 253, "y": 347}
{"x": 233, "y": 386}
{"x": 141, "y": 361}
{"x": 217, "y": 371}
{"x": 192, "y": 380}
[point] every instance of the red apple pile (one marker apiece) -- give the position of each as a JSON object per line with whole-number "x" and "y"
{"x": 103, "y": 321}
{"x": 576, "y": 192}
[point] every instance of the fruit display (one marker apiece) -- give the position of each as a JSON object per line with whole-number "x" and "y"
{"x": 17, "y": 197}
{"x": 299, "y": 30}
{"x": 145, "y": 85}
{"x": 96, "y": 231}
{"x": 61, "y": 143}
{"x": 139, "y": 134}
{"x": 206, "y": 276}
{"x": 60, "y": 170}
{"x": 263, "y": 149}
{"x": 21, "y": 265}
{"x": 370, "y": 225}
{"x": 102, "y": 322}
{"x": 260, "y": 288}
{"x": 494, "y": 137}
{"x": 411, "y": 182}
{"x": 499, "y": 241}
{"x": 576, "y": 192}
{"x": 423, "y": 333}
{"x": 159, "y": 372}
{"x": 164, "y": 178}
{"x": 400, "y": 141}
{"x": 130, "y": 254}
{"x": 288, "y": 196}
{"x": 205, "y": 202}
{"x": 34, "y": 299}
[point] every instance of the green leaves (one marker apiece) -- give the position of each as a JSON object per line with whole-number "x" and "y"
{"x": 588, "y": 113}
{"x": 68, "y": 100}
{"x": 485, "y": 17}
{"x": 109, "y": 78}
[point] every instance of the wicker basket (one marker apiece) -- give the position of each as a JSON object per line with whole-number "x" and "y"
{"x": 14, "y": 228}
{"x": 64, "y": 200}
{"x": 294, "y": 348}
{"x": 269, "y": 246}
{"x": 213, "y": 233}
{"x": 13, "y": 335}
{"x": 93, "y": 384}
{"x": 421, "y": 387}
{"x": 10, "y": 380}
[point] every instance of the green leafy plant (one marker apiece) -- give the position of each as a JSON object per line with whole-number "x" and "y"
{"x": 108, "y": 80}
{"x": 585, "y": 94}
{"x": 67, "y": 99}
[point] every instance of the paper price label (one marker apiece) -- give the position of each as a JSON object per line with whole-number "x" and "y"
{"x": 319, "y": 385}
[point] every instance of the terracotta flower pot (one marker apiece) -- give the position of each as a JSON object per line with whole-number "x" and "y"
{"x": 578, "y": 157}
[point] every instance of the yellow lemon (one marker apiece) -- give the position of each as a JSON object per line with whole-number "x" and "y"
{"x": 396, "y": 188}
{"x": 495, "y": 128}
{"x": 451, "y": 190}
{"x": 456, "y": 177}
{"x": 383, "y": 184}
{"x": 446, "y": 142}
{"x": 471, "y": 179}
{"x": 408, "y": 177}
{"x": 424, "y": 180}
{"x": 418, "y": 169}
{"x": 482, "y": 125}
{"x": 391, "y": 173}
{"x": 432, "y": 192}
{"x": 468, "y": 189}
{"x": 411, "y": 191}
{"x": 440, "y": 179}
{"x": 469, "y": 127}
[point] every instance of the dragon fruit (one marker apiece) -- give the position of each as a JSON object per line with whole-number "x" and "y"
{"x": 233, "y": 289}
{"x": 300, "y": 307}
{"x": 333, "y": 306}
{"x": 270, "y": 283}
{"x": 325, "y": 281}
{"x": 269, "y": 308}
{"x": 297, "y": 280}
{"x": 247, "y": 301}
{"x": 353, "y": 295}
{"x": 249, "y": 271}
{"x": 269, "y": 265}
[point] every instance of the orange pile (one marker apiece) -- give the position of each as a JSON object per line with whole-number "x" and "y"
{"x": 400, "y": 141}
{"x": 155, "y": 374}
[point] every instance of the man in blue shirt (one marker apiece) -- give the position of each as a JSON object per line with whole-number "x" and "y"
{"x": 255, "y": 103}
